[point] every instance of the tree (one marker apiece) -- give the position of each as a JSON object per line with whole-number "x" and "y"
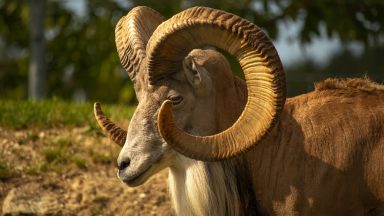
{"x": 14, "y": 49}
{"x": 81, "y": 57}
{"x": 81, "y": 54}
{"x": 37, "y": 73}
{"x": 360, "y": 20}
{"x": 343, "y": 64}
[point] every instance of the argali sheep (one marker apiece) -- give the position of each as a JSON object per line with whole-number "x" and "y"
{"x": 237, "y": 147}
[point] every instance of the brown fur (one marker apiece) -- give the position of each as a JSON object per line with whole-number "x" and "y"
{"x": 215, "y": 188}
{"x": 212, "y": 188}
{"x": 363, "y": 84}
{"x": 326, "y": 154}
{"x": 323, "y": 157}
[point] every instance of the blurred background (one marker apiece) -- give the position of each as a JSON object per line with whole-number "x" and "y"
{"x": 58, "y": 56}
{"x": 65, "y": 48}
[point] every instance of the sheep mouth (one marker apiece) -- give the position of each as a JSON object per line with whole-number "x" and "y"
{"x": 137, "y": 179}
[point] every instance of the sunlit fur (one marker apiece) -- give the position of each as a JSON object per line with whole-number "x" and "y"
{"x": 197, "y": 188}
{"x": 200, "y": 188}
{"x": 323, "y": 157}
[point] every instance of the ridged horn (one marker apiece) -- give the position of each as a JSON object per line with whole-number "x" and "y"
{"x": 117, "y": 134}
{"x": 197, "y": 27}
{"x": 132, "y": 33}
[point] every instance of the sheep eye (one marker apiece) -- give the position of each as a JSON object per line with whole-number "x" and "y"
{"x": 176, "y": 100}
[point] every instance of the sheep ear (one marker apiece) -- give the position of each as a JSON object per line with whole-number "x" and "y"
{"x": 191, "y": 71}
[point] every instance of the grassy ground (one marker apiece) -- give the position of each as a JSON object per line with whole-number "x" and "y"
{"x": 29, "y": 118}
{"x": 54, "y": 149}
{"x": 51, "y": 113}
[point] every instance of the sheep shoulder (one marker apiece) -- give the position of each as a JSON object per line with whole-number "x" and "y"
{"x": 327, "y": 147}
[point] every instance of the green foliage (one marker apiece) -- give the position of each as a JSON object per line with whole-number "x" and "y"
{"x": 32, "y": 136}
{"x": 347, "y": 19}
{"x": 59, "y": 155}
{"x": 302, "y": 75}
{"x": 81, "y": 55}
{"x": 101, "y": 157}
{"x": 51, "y": 113}
{"x": 79, "y": 161}
{"x": 56, "y": 153}
{"x": 5, "y": 171}
{"x": 35, "y": 169}
{"x": 53, "y": 154}
{"x": 13, "y": 48}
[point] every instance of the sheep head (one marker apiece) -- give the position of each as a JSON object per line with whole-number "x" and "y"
{"x": 177, "y": 86}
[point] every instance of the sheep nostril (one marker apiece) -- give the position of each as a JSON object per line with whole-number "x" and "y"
{"x": 124, "y": 164}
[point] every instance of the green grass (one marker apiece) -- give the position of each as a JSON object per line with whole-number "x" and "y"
{"x": 5, "y": 171}
{"x": 52, "y": 113}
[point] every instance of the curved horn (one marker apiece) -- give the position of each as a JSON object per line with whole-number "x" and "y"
{"x": 264, "y": 74}
{"x": 132, "y": 34}
{"x": 117, "y": 134}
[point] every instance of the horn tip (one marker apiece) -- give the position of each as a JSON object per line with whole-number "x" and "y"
{"x": 96, "y": 107}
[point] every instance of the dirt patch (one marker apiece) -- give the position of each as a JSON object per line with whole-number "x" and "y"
{"x": 70, "y": 171}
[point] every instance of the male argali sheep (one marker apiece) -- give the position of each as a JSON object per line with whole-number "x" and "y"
{"x": 237, "y": 147}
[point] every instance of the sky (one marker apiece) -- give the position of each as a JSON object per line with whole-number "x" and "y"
{"x": 320, "y": 49}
